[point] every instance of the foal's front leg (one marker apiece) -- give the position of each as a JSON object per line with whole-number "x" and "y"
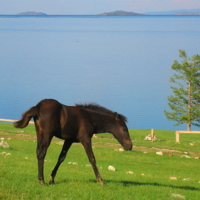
{"x": 88, "y": 148}
{"x": 66, "y": 146}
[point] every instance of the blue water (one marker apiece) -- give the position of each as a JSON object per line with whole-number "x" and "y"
{"x": 122, "y": 63}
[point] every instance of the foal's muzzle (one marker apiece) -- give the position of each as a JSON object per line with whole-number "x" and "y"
{"x": 128, "y": 145}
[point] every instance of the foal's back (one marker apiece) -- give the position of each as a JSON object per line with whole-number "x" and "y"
{"x": 65, "y": 122}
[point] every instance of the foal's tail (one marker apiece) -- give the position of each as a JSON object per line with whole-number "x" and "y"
{"x": 26, "y": 117}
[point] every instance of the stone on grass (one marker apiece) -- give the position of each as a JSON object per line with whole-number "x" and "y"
{"x": 186, "y": 179}
{"x": 4, "y": 144}
{"x": 178, "y": 196}
{"x": 72, "y": 163}
{"x": 159, "y": 153}
{"x": 151, "y": 137}
{"x": 173, "y": 178}
{"x": 120, "y": 149}
{"x": 130, "y": 172}
{"x": 111, "y": 168}
{"x": 185, "y": 156}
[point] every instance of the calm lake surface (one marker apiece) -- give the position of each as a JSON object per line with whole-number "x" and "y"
{"x": 122, "y": 63}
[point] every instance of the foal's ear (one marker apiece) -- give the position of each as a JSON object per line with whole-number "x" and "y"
{"x": 116, "y": 116}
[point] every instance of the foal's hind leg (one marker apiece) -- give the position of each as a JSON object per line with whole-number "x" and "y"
{"x": 62, "y": 156}
{"x": 88, "y": 148}
{"x": 42, "y": 145}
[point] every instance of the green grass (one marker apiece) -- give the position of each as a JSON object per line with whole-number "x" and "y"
{"x": 150, "y": 180}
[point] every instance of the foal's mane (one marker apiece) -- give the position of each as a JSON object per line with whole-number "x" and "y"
{"x": 101, "y": 109}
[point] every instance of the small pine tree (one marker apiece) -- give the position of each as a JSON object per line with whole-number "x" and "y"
{"x": 185, "y": 103}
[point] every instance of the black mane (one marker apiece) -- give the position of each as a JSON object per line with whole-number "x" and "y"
{"x": 98, "y": 108}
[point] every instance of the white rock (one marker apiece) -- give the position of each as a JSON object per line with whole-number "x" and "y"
{"x": 178, "y": 196}
{"x": 111, "y": 168}
{"x": 186, "y": 179}
{"x": 120, "y": 149}
{"x": 150, "y": 137}
{"x": 185, "y": 156}
{"x": 159, "y": 153}
{"x": 4, "y": 144}
{"x": 173, "y": 178}
{"x": 147, "y": 138}
{"x": 130, "y": 172}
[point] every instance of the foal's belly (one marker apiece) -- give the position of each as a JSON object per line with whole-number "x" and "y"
{"x": 67, "y": 136}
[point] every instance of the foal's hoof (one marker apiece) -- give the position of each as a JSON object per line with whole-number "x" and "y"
{"x": 42, "y": 182}
{"x": 101, "y": 182}
{"x": 51, "y": 181}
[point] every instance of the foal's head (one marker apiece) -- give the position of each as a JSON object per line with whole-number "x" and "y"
{"x": 112, "y": 122}
{"x": 120, "y": 131}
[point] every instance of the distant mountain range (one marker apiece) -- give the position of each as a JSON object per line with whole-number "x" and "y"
{"x": 120, "y": 12}
{"x": 32, "y": 13}
{"x": 124, "y": 13}
{"x": 173, "y": 12}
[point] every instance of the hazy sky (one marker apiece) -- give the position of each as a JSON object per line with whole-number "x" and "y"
{"x": 76, "y": 7}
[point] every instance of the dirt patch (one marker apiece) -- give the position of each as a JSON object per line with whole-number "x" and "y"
{"x": 20, "y": 136}
{"x": 152, "y": 149}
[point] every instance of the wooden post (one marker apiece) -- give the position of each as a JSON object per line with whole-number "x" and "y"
{"x": 11, "y": 120}
{"x": 177, "y": 136}
{"x": 179, "y": 132}
{"x": 152, "y": 135}
{"x": 152, "y": 132}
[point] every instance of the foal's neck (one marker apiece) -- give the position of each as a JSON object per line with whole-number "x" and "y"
{"x": 102, "y": 121}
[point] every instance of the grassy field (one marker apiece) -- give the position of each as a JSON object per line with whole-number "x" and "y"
{"x": 173, "y": 175}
